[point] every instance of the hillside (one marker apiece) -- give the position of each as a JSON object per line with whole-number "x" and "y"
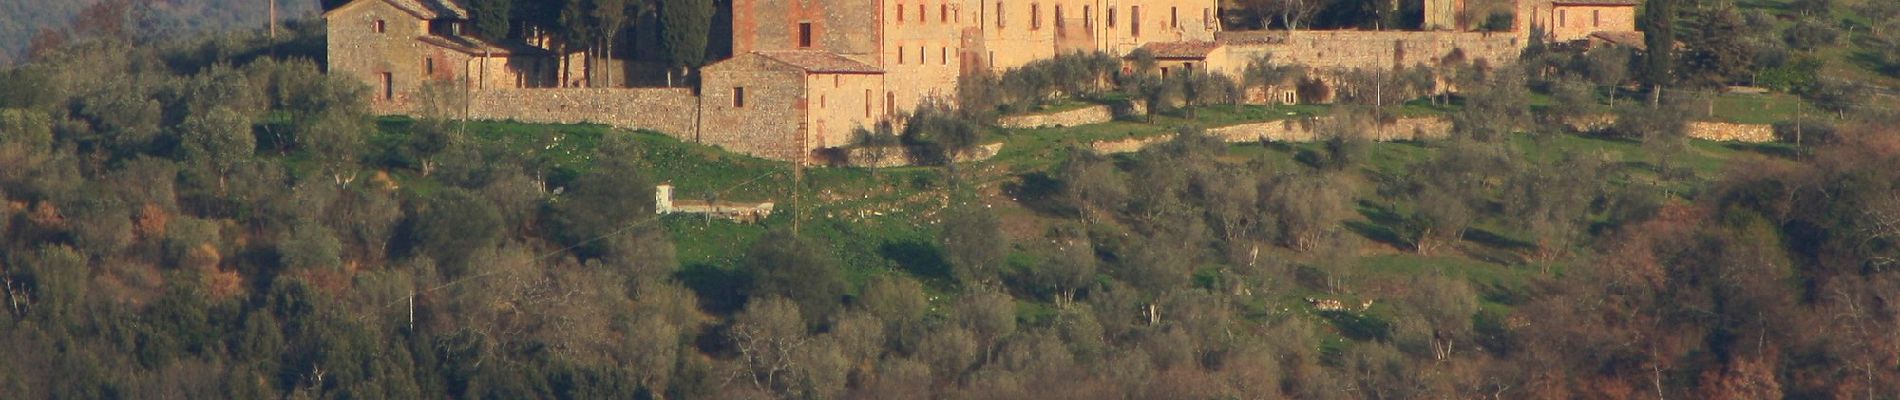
{"x": 21, "y": 21}
{"x": 211, "y": 217}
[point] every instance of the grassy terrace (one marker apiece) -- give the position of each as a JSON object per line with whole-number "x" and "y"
{"x": 886, "y": 222}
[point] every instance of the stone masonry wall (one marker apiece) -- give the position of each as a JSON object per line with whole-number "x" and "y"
{"x": 1081, "y": 116}
{"x": 670, "y": 111}
{"x": 767, "y": 123}
{"x": 895, "y": 156}
{"x": 1712, "y": 131}
{"x": 1291, "y": 131}
{"x": 1324, "y": 50}
{"x": 1727, "y": 132}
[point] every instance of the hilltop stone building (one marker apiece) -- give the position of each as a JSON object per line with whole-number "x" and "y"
{"x": 1574, "y": 20}
{"x": 806, "y": 73}
{"x": 397, "y": 45}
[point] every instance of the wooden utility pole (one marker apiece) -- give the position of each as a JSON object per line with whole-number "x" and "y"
{"x": 273, "y": 19}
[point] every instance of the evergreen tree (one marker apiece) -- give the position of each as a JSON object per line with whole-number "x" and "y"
{"x": 684, "y": 28}
{"x": 1658, "y": 25}
{"x": 1716, "y": 52}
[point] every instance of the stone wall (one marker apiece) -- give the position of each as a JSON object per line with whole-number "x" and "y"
{"x": 1573, "y": 22}
{"x": 1291, "y": 131}
{"x": 1705, "y": 130}
{"x": 895, "y": 156}
{"x": 769, "y": 122}
{"x": 1727, "y": 132}
{"x": 1344, "y": 50}
{"x": 1082, "y": 116}
{"x": 670, "y": 111}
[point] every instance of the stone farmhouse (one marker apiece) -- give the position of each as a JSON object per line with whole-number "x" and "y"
{"x": 805, "y": 74}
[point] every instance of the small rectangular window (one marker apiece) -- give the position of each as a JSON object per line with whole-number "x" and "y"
{"x": 1111, "y": 18}
{"x": 389, "y": 89}
{"x": 738, "y": 97}
{"x": 1058, "y": 16}
{"x": 1174, "y": 18}
{"x": 999, "y": 15}
{"x": 923, "y": 56}
{"x": 900, "y": 13}
{"x": 943, "y": 13}
{"x": 1596, "y": 18}
{"x": 920, "y": 13}
{"x": 1134, "y": 20}
{"x": 428, "y": 66}
{"x": 1088, "y": 18}
{"x": 1207, "y": 18}
{"x": 1035, "y": 16}
{"x": 378, "y": 26}
{"x": 943, "y": 56}
{"x": 867, "y": 103}
{"x": 804, "y": 35}
{"x": 900, "y": 54}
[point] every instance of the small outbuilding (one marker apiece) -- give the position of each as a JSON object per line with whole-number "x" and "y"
{"x": 787, "y": 105}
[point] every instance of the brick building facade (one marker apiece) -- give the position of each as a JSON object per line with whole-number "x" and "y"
{"x": 807, "y": 73}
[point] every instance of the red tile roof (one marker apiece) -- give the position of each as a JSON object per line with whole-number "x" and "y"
{"x": 820, "y": 62}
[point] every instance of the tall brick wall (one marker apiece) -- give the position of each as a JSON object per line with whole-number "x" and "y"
{"x": 670, "y": 111}
{"x": 848, "y": 27}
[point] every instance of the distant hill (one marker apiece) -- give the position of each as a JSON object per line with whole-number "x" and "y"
{"x": 21, "y": 19}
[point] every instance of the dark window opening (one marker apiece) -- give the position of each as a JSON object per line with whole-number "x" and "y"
{"x": 738, "y": 97}
{"x": 1058, "y": 16}
{"x": 428, "y": 66}
{"x": 1134, "y": 20}
{"x": 943, "y": 13}
{"x": 1174, "y": 17}
{"x": 1111, "y": 18}
{"x": 443, "y": 27}
{"x": 389, "y": 89}
{"x": 1035, "y": 16}
{"x": 379, "y": 26}
{"x": 804, "y": 35}
{"x": 999, "y": 15}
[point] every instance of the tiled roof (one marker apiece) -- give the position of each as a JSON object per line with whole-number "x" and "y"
{"x": 1195, "y": 50}
{"x": 1593, "y": 2}
{"x": 431, "y": 9}
{"x": 476, "y": 46}
{"x": 424, "y": 9}
{"x": 820, "y": 61}
{"x": 1631, "y": 39}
